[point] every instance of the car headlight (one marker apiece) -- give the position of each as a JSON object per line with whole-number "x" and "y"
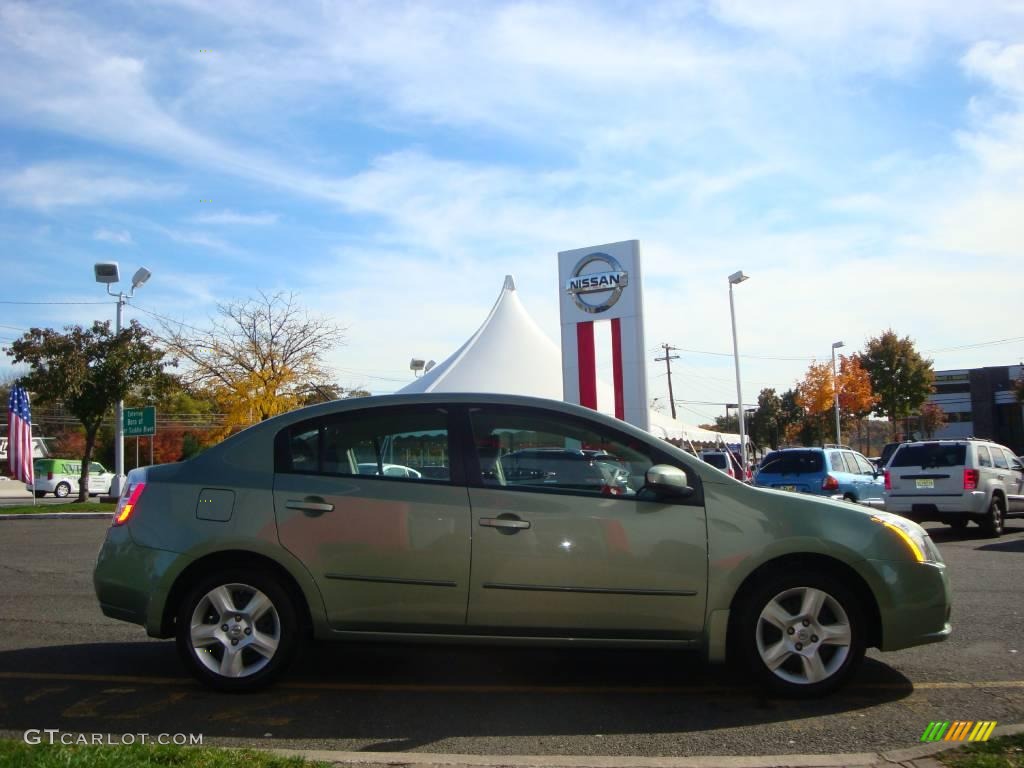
{"x": 917, "y": 542}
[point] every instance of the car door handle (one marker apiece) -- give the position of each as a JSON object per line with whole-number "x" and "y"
{"x": 504, "y": 522}
{"x": 315, "y": 505}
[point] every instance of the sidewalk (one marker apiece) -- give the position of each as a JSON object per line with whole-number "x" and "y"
{"x": 14, "y": 489}
{"x": 919, "y": 756}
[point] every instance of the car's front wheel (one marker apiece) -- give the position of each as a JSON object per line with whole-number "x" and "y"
{"x": 236, "y": 630}
{"x": 800, "y": 632}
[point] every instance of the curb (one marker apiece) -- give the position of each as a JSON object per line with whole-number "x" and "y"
{"x": 424, "y": 759}
{"x": 897, "y": 757}
{"x": 58, "y": 516}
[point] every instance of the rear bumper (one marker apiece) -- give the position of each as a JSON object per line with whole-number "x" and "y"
{"x": 925, "y": 507}
{"x": 128, "y": 578}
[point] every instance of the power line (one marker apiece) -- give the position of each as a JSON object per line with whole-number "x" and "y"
{"x": 38, "y": 303}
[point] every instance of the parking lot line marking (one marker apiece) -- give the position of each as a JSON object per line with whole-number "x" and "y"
{"x": 471, "y": 688}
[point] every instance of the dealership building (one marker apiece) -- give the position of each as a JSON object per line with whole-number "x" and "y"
{"x": 981, "y": 402}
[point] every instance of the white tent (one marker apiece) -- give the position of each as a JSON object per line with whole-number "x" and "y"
{"x": 510, "y": 354}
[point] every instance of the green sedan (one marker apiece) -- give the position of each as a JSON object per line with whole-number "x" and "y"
{"x": 521, "y": 520}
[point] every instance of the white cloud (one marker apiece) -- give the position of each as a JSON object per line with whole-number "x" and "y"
{"x": 229, "y": 217}
{"x": 50, "y": 185}
{"x": 122, "y": 237}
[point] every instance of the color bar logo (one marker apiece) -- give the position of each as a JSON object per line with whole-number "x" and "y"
{"x": 959, "y": 730}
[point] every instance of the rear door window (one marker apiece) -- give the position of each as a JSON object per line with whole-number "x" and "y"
{"x": 929, "y": 455}
{"x": 794, "y": 463}
{"x": 999, "y": 459}
{"x": 851, "y": 463}
{"x": 984, "y": 458}
{"x": 388, "y": 443}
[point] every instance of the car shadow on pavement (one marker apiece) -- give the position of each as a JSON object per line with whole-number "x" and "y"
{"x": 944, "y": 534}
{"x": 404, "y": 697}
{"x": 1015, "y": 545}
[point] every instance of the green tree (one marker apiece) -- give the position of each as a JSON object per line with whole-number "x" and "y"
{"x": 791, "y": 416}
{"x": 90, "y": 370}
{"x": 901, "y": 378}
{"x": 766, "y": 426}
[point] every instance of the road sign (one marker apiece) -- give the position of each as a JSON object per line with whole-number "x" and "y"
{"x": 140, "y": 421}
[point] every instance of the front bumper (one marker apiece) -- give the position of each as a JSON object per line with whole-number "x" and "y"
{"x": 914, "y": 602}
{"x": 129, "y": 578}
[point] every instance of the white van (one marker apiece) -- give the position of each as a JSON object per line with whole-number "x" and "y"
{"x": 60, "y": 477}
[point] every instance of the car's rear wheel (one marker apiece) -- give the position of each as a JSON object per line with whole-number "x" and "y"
{"x": 800, "y": 632}
{"x": 236, "y": 630}
{"x": 992, "y": 522}
{"x": 40, "y": 494}
{"x": 62, "y": 490}
{"x": 959, "y": 523}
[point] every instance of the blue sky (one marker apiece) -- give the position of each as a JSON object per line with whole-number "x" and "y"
{"x": 391, "y": 162}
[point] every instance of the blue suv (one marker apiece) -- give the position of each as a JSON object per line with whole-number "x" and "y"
{"x": 838, "y": 473}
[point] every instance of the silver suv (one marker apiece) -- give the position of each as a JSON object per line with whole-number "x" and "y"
{"x": 954, "y": 482}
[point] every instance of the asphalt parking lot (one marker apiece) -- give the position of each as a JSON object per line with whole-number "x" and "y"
{"x": 64, "y": 665}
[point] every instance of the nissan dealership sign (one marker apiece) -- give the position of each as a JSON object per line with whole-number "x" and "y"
{"x": 597, "y": 285}
{"x": 597, "y": 282}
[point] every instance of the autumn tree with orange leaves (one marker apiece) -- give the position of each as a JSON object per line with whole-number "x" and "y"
{"x": 815, "y": 394}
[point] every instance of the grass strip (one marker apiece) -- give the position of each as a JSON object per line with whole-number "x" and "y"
{"x": 1002, "y": 752}
{"x": 16, "y": 754}
{"x": 29, "y": 509}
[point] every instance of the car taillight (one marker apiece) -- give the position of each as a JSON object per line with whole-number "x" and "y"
{"x": 126, "y": 504}
{"x": 829, "y": 484}
{"x": 888, "y": 481}
{"x": 730, "y": 471}
{"x": 49, "y": 475}
{"x": 971, "y": 479}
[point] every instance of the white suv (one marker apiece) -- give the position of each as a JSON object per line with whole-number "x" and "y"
{"x": 954, "y": 482}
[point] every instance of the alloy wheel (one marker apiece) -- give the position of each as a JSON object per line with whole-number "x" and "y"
{"x": 235, "y": 630}
{"x": 803, "y": 635}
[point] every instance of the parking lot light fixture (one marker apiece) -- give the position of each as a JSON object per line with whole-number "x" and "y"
{"x": 835, "y": 388}
{"x": 108, "y": 273}
{"x": 735, "y": 279}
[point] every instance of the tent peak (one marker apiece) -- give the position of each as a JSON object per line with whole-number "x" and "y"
{"x": 510, "y": 283}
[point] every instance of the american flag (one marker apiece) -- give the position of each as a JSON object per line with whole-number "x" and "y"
{"x": 19, "y": 435}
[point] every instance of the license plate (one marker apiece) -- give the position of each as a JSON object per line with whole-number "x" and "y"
{"x": 925, "y": 483}
{"x": 787, "y": 487}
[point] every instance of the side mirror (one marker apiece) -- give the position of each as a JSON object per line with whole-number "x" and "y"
{"x": 667, "y": 480}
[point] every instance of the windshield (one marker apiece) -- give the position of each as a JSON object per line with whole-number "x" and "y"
{"x": 792, "y": 463}
{"x": 930, "y": 455}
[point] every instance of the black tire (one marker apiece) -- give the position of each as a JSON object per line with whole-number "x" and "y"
{"x": 256, "y": 669}
{"x": 992, "y": 522}
{"x": 851, "y": 498}
{"x": 750, "y": 636}
{"x": 958, "y": 523}
{"x": 40, "y": 494}
{"x": 62, "y": 490}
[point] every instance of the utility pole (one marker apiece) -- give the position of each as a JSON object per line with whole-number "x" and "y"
{"x": 668, "y": 358}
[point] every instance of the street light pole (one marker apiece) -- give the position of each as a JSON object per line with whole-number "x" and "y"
{"x": 835, "y": 388}
{"x": 108, "y": 273}
{"x": 735, "y": 279}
